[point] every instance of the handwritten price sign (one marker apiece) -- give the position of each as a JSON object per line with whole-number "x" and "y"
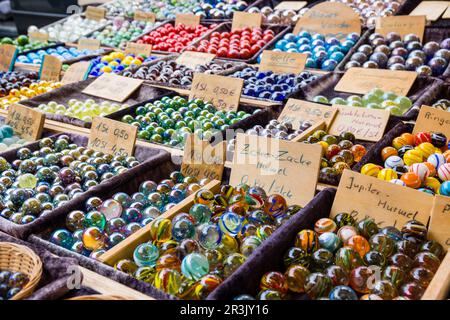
{"x": 27, "y": 122}
{"x": 112, "y": 137}
{"x": 223, "y": 92}
{"x": 8, "y": 54}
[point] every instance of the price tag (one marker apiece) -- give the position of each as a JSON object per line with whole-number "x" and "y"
{"x": 50, "y": 68}
{"x": 187, "y": 19}
{"x": 95, "y": 13}
{"x": 274, "y": 164}
{"x": 139, "y": 48}
{"x": 282, "y": 62}
{"x": 223, "y": 92}
{"x": 192, "y": 59}
{"x": 202, "y": 160}
{"x": 362, "y": 80}
{"x": 365, "y": 124}
{"x": 245, "y": 19}
{"x": 439, "y": 228}
{"x": 26, "y": 122}
{"x": 38, "y": 36}
{"x": 88, "y": 44}
{"x": 403, "y": 25}
{"x": 113, "y": 87}
{"x": 432, "y": 120}
{"x": 387, "y": 203}
{"x": 332, "y": 19}
{"x": 8, "y": 54}
{"x": 140, "y": 15}
{"x": 297, "y": 111}
{"x": 112, "y": 137}
{"x": 77, "y": 72}
{"x": 291, "y": 5}
{"x": 431, "y": 9}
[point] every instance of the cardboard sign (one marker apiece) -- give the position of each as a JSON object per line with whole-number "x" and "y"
{"x": 95, "y": 13}
{"x": 362, "y": 80}
{"x": 282, "y": 62}
{"x": 202, "y": 160}
{"x": 112, "y": 137}
{"x": 223, "y": 92}
{"x": 291, "y": 5}
{"x": 88, "y": 44}
{"x": 298, "y": 111}
{"x": 387, "y": 203}
{"x": 26, "y": 122}
{"x": 77, "y": 72}
{"x": 365, "y": 124}
{"x": 139, "y": 48}
{"x": 431, "y": 9}
{"x": 439, "y": 228}
{"x": 50, "y": 68}
{"x": 192, "y": 59}
{"x": 432, "y": 120}
{"x": 140, "y": 15}
{"x": 403, "y": 25}
{"x": 113, "y": 87}
{"x": 8, "y": 54}
{"x": 245, "y": 19}
{"x": 277, "y": 165}
{"x": 188, "y": 19}
{"x": 332, "y": 19}
{"x": 38, "y": 36}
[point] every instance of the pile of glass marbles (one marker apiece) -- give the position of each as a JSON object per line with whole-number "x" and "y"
{"x": 391, "y": 52}
{"x": 83, "y": 110}
{"x": 122, "y": 31}
{"x": 237, "y": 44}
{"x": 370, "y": 10}
{"x": 274, "y": 129}
{"x": 420, "y": 161}
{"x": 322, "y": 54}
{"x": 170, "y": 72}
{"x": 190, "y": 255}
{"x": 70, "y": 29}
{"x": 169, "y": 120}
{"x": 442, "y": 104}
{"x": 272, "y": 86}
{"x": 102, "y": 224}
{"x": 174, "y": 39}
{"x": 340, "y": 258}
{"x": 219, "y": 9}
{"x": 28, "y": 92}
{"x": 39, "y": 181}
{"x": 23, "y": 43}
{"x": 8, "y": 138}
{"x": 14, "y": 80}
{"x": 63, "y": 53}
{"x": 163, "y": 9}
{"x": 339, "y": 152}
{"x": 116, "y": 62}
{"x": 279, "y": 16}
{"x": 375, "y": 99}
{"x": 11, "y": 283}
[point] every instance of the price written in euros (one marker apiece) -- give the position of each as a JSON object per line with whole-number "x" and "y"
{"x": 28, "y": 123}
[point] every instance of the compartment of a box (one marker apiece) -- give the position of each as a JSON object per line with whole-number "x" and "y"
{"x": 145, "y": 155}
{"x": 74, "y": 91}
{"x": 270, "y": 256}
{"x": 438, "y": 90}
{"x": 278, "y": 19}
{"x": 430, "y": 34}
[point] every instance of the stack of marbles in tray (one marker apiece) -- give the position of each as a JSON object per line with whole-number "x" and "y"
{"x": 11, "y": 283}
{"x": 375, "y": 99}
{"x": 190, "y": 255}
{"x": 63, "y": 53}
{"x": 116, "y": 62}
{"x": 27, "y": 91}
{"x": 8, "y": 138}
{"x": 24, "y": 44}
{"x": 279, "y": 16}
{"x": 393, "y": 52}
{"x": 420, "y": 161}
{"x": 102, "y": 224}
{"x": 341, "y": 260}
{"x": 39, "y": 181}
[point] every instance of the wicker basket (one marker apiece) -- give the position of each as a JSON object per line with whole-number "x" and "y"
{"x": 14, "y": 257}
{"x": 100, "y": 297}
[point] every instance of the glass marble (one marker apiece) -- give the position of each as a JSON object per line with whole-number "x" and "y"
{"x": 209, "y": 236}
{"x": 126, "y": 266}
{"x": 307, "y": 240}
{"x": 427, "y": 260}
{"x": 325, "y": 225}
{"x": 75, "y": 220}
{"x": 359, "y": 244}
{"x": 317, "y": 285}
{"x": 296, "y": 256}
{"x": 93, "y": 238}
{"x": 346, "y": 232}
{"x": 275, "y": 205}
{"x": 201, "y": 213}
{"x": 161, "y": 230}
{"x": 230, "y": 223}
{"x": 274, "y": 281}
{"x": 395, "y": 275}
{"x": 232, "y": 263}
{"x": 194, "y": 266}
{"x": 348, "y": 259}
{"x": 145, "y": 255}
{"x": 412, "y": 291}
{"x": 367, "y": 228}
{"x": 344, "y": 219}
{"x": 183, "y": 229}
{"x": 146, "y": 274}
{"x": 249, "y": 245}
{"x": 168, "y": 280}
{"x": 95, "y": 219}
{"x": 374, "y": 258}
{"x": 384, "y": 289}
{"x": 321, "y": 259}
{"x": 62, "y": 238}
{"x": 111, "y": 209}
{"x": 329, "y": 241}
{"x": 337, "y": 275}
{"x": 383, "y": 244}
{"x": 343, "y": 293}
{"x": 295, "y": 277}
{"x": 169, "y": 261}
